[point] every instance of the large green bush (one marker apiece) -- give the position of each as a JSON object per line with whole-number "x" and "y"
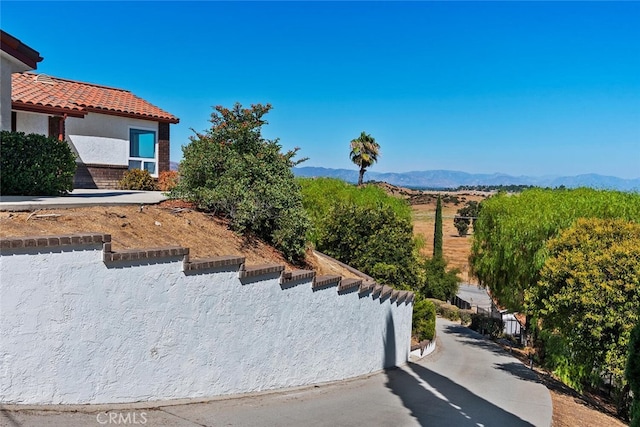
{"x": 232, "y": 171}
{"x": 321, "y": 195}
{"x": 424, "y": 319}
{"x": 439, "y": 282}
{"x": 373, "y": 239}
{"x": 589, "y": 293}
{"x": 35, "y": 165}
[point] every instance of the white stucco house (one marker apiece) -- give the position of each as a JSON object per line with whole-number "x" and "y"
{"x": 110, "y": 130}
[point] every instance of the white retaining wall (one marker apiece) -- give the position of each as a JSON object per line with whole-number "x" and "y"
{"x": 76, "y": 329}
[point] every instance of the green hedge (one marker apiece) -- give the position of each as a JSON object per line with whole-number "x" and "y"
{"x": 35, "y": 165}
{"x": 424, "y": 319}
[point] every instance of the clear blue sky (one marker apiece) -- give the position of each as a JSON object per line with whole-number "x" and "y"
{"x": 540, "y": 88}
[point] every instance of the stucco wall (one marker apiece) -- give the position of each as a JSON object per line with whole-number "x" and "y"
{"x": 8, "y": 65}
{"x": 111, "y": 147}
{"x": 76, "y": 328}
{"x": 32, "y": 123}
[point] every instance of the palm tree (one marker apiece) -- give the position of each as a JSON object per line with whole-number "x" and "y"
{"x": 364, "y": 152}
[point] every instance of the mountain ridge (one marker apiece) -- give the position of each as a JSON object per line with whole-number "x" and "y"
{"x": 452, "y": 179}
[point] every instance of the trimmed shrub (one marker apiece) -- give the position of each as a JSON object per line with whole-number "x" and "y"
{"x": 137, "y": 179}
{"x": 168, "y": 180}
{"x": 35, "y": 165}
{"x": 424, "y": 319}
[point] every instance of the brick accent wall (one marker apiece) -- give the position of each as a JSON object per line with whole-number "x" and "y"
{"x": 163, "y": 147}
{"x": 98, "y": 176}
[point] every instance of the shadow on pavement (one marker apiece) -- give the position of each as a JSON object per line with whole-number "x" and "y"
{"x": 517, "y": 369}
{"x": 436, "y": 400}
{"x": 473, "y": 338}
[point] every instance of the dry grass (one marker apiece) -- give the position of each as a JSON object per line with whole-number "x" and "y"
{"x": 456, "y": 249}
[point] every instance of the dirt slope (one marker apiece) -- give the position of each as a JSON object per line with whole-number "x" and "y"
{"x": 167, "y": 224}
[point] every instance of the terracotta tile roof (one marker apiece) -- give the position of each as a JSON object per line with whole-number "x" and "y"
{"x": 33, "y": 92}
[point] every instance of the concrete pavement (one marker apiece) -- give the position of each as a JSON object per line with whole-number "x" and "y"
{"x": 467, "y": 381}
{"x": 79, "y": 198}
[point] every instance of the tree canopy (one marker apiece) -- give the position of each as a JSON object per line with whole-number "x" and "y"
{"x": 589, "y": 295}
{"x": 465, "y": 216}
{"x": 363, "y": 227}
{"x": 510, "y": 235}
{"x": 364, "y": 152}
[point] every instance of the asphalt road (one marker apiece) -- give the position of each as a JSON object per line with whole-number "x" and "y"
{"x": 467, "y": 381}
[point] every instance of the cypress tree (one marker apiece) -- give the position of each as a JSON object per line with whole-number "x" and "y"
{"x": 437, "y": 236}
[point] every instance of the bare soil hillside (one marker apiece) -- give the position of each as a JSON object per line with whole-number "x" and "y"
{"x": 171, "y": 223}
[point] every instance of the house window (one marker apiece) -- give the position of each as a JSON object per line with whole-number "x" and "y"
{"x": 142, "y": 150}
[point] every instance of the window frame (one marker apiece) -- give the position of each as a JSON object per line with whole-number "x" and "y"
{"x": 144, "y": 160}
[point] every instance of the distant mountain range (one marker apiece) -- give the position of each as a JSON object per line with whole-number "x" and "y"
{"x": 454, "y": 179}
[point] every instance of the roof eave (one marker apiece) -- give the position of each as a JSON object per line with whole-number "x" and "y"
{"x": 46, "y": 109}
{"x": 172, "y": 120}
{"x": 19, "y": 50}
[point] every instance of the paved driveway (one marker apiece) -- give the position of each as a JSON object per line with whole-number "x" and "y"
{"x": 468, "y": 381}
{"x": 79, "y": 198}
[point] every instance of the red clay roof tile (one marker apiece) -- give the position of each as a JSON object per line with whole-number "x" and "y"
{"x": 37, "y": 90}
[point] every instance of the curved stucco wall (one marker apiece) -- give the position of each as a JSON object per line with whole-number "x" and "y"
{"x": 112, "y": 146}
{"x": 75, "y": 329}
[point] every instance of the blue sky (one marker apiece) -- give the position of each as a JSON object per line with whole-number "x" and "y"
{"x": 538, "y": 88}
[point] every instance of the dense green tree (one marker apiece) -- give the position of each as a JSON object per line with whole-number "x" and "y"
{"x": 510, "y": 234}
{"x": 373, "y": 239}
{"x": 464, "y": 217}
{"x": 364, "y": 152}
{"x": 437, "y": 235}
{"x": 321, "y": 195}
{"x": 632, "y": 373}
{"x": 424, "y": 319}
{"x": 440, "y": 282}
{"x": 589, "y": 295}
{"x": 232, "y": 171}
